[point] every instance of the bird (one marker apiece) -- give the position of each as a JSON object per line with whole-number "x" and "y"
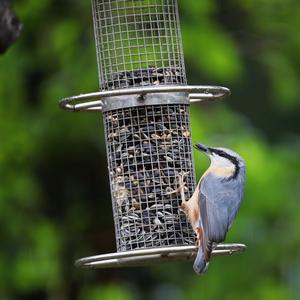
{"x": 215, "y": 202}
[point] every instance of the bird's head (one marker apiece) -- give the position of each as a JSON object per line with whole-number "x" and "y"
{"x": 222, "y": 157}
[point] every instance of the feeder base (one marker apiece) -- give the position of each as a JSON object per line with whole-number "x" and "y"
{"x": 144, "y": 257}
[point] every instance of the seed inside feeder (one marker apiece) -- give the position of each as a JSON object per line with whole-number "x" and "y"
{"x": 147, "y": 148}
{"x": 145, "y": 77}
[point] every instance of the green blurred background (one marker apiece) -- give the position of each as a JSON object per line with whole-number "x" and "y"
{"x": 54, "y": 191}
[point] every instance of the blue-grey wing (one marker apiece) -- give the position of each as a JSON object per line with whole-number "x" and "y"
{"x": 219, "y": 201}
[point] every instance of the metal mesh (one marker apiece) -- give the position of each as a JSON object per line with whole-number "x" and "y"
{"x": 138, "y": 43}
{"x": 147, "y": 147}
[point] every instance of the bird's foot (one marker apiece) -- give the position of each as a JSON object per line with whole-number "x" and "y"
{"x": 180, "y": 178}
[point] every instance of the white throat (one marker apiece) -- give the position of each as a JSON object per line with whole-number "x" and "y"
{"x": 221, "y": 162}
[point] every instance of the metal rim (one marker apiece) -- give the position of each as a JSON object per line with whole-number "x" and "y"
{"x": 145, "y": 257}
{"x": 92, "y": 101}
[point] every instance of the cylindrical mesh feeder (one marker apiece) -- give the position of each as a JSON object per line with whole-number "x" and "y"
{"x": 145, "y": 103}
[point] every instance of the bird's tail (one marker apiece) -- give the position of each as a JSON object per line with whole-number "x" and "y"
{"x": 202, "y": 259}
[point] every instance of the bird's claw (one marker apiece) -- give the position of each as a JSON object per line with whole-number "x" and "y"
{"x": 180, "y": 178}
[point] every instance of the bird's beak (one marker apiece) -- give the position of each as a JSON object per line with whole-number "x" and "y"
{"x": 202, "y": 148}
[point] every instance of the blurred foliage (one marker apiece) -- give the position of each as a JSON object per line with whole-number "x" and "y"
{"x": 54, "y": 196}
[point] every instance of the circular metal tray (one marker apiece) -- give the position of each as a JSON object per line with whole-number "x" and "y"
{"x": 144, "y": 257}
{"x": 93, "y": 101}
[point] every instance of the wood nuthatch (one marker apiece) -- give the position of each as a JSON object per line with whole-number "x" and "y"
{"x": 215, "y": 202}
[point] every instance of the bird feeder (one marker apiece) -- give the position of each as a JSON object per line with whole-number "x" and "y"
{"x": 145, "y": 100}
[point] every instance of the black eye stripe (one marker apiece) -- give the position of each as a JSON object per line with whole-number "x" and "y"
{"x": 223, "y": 154}
{"x": 233, "y": 159}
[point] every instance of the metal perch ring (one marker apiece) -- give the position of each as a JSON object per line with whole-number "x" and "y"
{"x": 93, "y": 102}
{"x": 144, "y": 257}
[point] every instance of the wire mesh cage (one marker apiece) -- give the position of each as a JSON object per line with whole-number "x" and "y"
{"x": 138, "y": 43}
{"x": 145, "y": 103}
{"x": 147, "y": 148}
